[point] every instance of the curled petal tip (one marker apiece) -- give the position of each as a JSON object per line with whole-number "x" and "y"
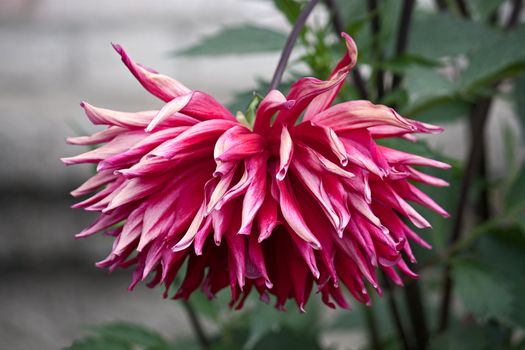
{"x": 281, "y": 174}
{"x": 117, "y": 48}
{"x": 289, "y": 104}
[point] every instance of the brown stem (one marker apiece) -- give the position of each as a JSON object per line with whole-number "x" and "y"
{"x": 196, "y": 325}
{"x": 479, "y": 114}
{"x": 290, "y": 42}
{"x": 394, "y": 311}
{"x": 441, "y": 5}
{"x": 416, "y": 311}
{"x": 375, "y": 26}
{"x": 463, "y": 9}
{"x": 514, "y": 14}
{"x": 402, "y": 35}
{"x": 372, "y": 328}
{"x": 338, "y": 25}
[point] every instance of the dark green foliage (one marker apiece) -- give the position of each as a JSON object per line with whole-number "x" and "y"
{"x": 121, "y": 336}
{"x": 238, "y": 40}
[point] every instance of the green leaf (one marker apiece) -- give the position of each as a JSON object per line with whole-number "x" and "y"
{"x": 252, "y": 108}
{"x": 265, "y": 319}
{"x": 503, "y": 253}
{"x": 472, "y": 337}
{"x": 98, "y": 343}
{"x": 241, "y": 39}
{"x": 289, "y": 8}
{"x": 121, "y": 336}
{"x": 483, "y": 9}
{"x": 262, "y": 322}
{"x": 481, "y": 293}
{"x": 495, "y": 59}
{"x": 288, "y": 339}
{"x": 443, "y": 111}
{"x": 516, "y": 194}
{"x": 131, "y": 333}
{"x": 401, "y": 63}
{"x": 437, "y": 35}
{"x": 425, "y": 86}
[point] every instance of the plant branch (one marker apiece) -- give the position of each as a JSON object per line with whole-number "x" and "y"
{"x": 402, "y": 35}
{"x": 479, "y": 114}
{"x": 416, "y": 312}
{"x": 290, "y": 42}
{"x": 463, "y": 9}
{"x": 441, "y": 5}
{"x": 338, "y": 25}
{"x": 394, "y": 310}
{"x": 196, "y": 325}
{"x": 375, "y": 26}
{"x": 475, "y": 164}
{"x": 514, "y": 17}
{"x": 471, "y": 237}
{"x": 372, "y": 328}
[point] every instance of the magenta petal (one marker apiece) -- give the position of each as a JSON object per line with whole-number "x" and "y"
{"x": 157, "y": 84}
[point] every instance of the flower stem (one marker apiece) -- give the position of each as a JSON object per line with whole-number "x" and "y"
{"x": 402, "y": 35}
{"x": 416, "y": 312}
{"x": 196, "y": 325}
{"x": 514, "y": 15}
{"x": 463, "y": 9}
{"x": 375, "y": 26}
{"x": 290, "y": 42}
{"x": 373, "y": 333}
{"x": 338, "y": 25}
{"x": 394, "y": 310}
{"x": 479, "y": 114}
{"x": 441, "y": 5}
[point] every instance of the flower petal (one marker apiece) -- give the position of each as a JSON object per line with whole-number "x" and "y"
{"x": 162, "y": 86}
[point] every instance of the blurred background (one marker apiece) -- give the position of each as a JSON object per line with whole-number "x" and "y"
{"x": 55, "y": 53}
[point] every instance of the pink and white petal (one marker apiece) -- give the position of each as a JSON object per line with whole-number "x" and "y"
{"x": 273, "y": 102}
{"x": 94, "y": 183}
{"x": 398, "y": 157}
{"x": 254, "y": 197}
{"x": 135, "y": 189}
{"x": 204, "y": 132}
{"x": 129, "y": 120}
{"x": 316, "y": 94}
{"x": 119, "y": 144}
{"x": 135, "y": 153}
{"x": 190, "y": 234}
{"x": 204, "y": 107}
{"x": 292, "y": 214}
{"x": 425, "y": 178}
{"x": 171, "y": 108}
{"x": 359, "y": 114}
{"x": 98, "y": 137}
{"x": 159, "y": 85}
{"x": 285, "y": 153}
{"x": 414, "y": 194}
{"x": 267, "y": 218}
{"x": 238, "y": 143}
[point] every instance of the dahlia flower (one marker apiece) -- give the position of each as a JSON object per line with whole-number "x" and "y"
{"x": 303, "y": 196}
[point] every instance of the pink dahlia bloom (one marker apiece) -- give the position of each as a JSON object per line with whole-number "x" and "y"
{"x": 280, "y": 206}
